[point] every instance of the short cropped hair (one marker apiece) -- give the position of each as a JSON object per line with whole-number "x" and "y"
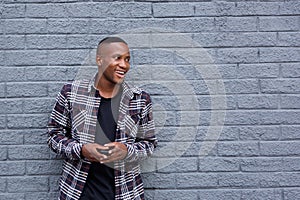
{"x": 108, "y": 40}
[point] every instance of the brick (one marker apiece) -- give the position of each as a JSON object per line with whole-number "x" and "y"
{"x": 235, "y": 39}
{"x": 188, "y": 149}
{"x": 152, "y": 56}
{"x": 26, "y": 89}
{"x": 261, "y": 117}
{"x": 54, "y": 88}
{"x": 10, "y": 106}
{"x": 28, "y": 152}
{"x": 290, "y": 70}
{"x": 13, "y": 11}
{"x": 289, "y": 39}
{"x": 2, "y": 121}
{"x": 12, "y": 196}
{"x": 195, "y": 56}
{"x": 173, "y": 10}
{"x": 281, "y": 148}
{"x": 171, "y": 194}
{"x": 35, "y": 26}
{"x": 3, "y": 153}
{"x": 12, "y": 42}
{"x": 27, "y": 184}
{"x": 280, "y": 180}
{"x": 46, "y": 42}
{"x": 46, "y": 11}
{"x": 289, "y": 7}
{"x": 9, "y": 137}
{"x": 238, "y": 149}
{"x": 240, "y": 86}
{"x": 258, "y": 102}
{"x": 290, "y": 132}
{"x": 50, "y": 73}
{"x": 258, "y": 70}
{"x": 268, "y": 194}
{"x": 12, "y": 74}
{"x": 261, "y": 165}
{"x": 82, "y": 42}
{"x": 176, "y": 133}
{"x": 172, "y": 40}
{"x": 134, "y": 40}
{"x": 213, "y": 8}
{"x": 236, "y": 24}
{"x": 67, "y": 57}
{"x": 279, "y": 54}
{"x": 178, "y": 165}
{"x": 234, "y": 55}
{"x": 290, "y": 101}
{"x": 35, "y": 136}
{"x": 80, "y": 26}
{"x": 112, "y": 26}
{"x": 40, "y": 105}
{"x": 291, "y": 164}
{"x": 290, "y": 194}
{"x": 218, "y": 165}
{"x": 288, "y": 86}
{"x": 9, "y": 168}
{"x": 40, "y": 196}
{"x": 2, "y": 184}
{"x": 129, "y": 10}
{"x": 2, "y": 58}
{"x": 52, "y": 167}
{"x": 238, "y": 180}
{"x": 194, "y": 25}
{"x": 219, "y": 194}
{"x": 259, "y": 132}
{"x": 216, "y": 102}
{"x": 14, "y": 26}
{"x": 287, "y": 23}
{"x": 27, "y": 121}
{"x": 25, "y": 58}
{"x": 256, "y": 8}
{"x": 161, "y": 180}
{"x": 54, "y": 183}
{"x": 2, "y": 26}
{"x": 195, "y": 180}
{"x": 2, "y": 89}
{"x": 227, "y": 133}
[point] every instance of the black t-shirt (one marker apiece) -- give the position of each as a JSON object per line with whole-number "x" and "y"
{"x": 100, "y": 184}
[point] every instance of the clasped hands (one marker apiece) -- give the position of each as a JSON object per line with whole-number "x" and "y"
{"x": 115, "y": 151}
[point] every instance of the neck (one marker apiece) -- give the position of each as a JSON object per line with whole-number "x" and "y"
{"x": 107, "y": 89}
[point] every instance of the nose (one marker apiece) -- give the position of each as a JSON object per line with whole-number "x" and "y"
{"x": 123, "y": 63}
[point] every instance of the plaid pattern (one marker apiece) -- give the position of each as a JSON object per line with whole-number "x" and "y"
{"x": 73, "y": 123}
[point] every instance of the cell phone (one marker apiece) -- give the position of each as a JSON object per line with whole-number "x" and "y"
{"x": 103, "y": 151}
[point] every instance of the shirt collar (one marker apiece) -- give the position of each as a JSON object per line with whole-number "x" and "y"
{"x": 128, "y": 90}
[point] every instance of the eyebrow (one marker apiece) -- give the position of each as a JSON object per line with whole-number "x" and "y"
{"x": 114, "y": 55}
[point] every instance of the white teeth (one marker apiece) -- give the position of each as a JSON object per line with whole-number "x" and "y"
{"x": 119, "y": 72}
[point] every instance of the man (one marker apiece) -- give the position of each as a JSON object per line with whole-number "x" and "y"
{"x": 103, "y": 128}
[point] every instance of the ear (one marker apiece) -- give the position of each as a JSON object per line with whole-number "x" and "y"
{"x": 98, "y": 60}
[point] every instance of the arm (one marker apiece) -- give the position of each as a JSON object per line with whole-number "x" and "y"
{"x": 145, "y": 141}
{"x": 60, "y": 139}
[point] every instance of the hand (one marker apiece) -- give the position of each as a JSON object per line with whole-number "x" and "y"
{"x": 90, "y": 152}
{"x": 118, "y": 151}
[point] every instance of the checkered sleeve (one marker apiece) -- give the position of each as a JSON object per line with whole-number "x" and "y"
{"x": 145, "y": 141}
{"x": 60, "y": 139}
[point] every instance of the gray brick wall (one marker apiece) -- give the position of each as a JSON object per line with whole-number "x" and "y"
{"x": 223, "y": 75}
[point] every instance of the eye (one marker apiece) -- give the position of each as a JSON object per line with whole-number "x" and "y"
{"x": 117, "y": 57}
{"x": 127, "y": 59}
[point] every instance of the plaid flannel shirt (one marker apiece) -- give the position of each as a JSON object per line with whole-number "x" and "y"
{"x": 73, "y": 123}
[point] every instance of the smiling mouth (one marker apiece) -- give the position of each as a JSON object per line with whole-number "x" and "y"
{"x": 121, "y": 73}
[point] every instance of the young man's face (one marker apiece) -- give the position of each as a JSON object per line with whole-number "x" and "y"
{"x": 113, "y": 62}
